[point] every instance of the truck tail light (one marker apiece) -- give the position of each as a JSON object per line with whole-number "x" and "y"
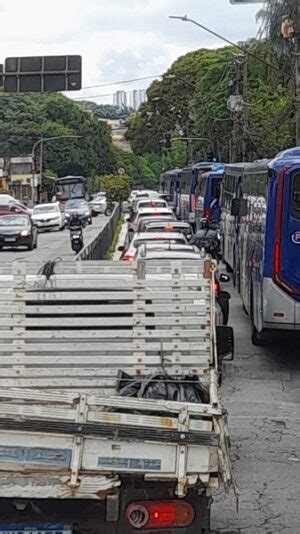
{"x": 127, "y": 257}
{"x": 217, "y": 287}
{"x": 160, "y": 514}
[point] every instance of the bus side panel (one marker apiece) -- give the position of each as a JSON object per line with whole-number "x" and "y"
{"x": 290, "y": 238}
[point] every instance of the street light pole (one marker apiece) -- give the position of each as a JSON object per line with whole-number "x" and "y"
{"x": 41, "y": 142}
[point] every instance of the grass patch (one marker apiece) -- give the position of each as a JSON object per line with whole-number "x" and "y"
{"x": 109, "y": 254}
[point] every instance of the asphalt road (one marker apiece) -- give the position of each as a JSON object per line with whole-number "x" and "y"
{"x": 53, "y": 244}
{"x": 261, "y": 391}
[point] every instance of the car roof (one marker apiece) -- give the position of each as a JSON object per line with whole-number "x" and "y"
{"x": 47, "y": 205}
{"x": 154, "y": 210}
{"x": 180, "y": 224}
{"x": 170, "y": 254}
{"x": 155, "y": 235}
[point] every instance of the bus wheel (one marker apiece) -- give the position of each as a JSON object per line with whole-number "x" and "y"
{"x": 257, "y": 338}
{"x": 228, "y": 268}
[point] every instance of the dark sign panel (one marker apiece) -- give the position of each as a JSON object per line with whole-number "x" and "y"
{"x": 1, "y": 76}
{"x": 42, "y": 74}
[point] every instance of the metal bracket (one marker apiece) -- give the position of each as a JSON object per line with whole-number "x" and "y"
{"x": 78, "y": 442}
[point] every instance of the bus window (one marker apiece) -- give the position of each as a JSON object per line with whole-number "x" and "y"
{"x": 216, "y": 188}
{"x": 295, "y": 204}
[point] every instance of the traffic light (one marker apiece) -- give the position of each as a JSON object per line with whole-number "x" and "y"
{"x": 212, "y": 157}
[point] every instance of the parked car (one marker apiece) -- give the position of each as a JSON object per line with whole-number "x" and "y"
{"x": 18, "y": 231}
{"x": 139, "y": 239}
{"x": 13, "y": 207}
{"x": 98, "y": 204}
{"x": 81, "y": 207}
{"x": 49, "y": 216}
{"x": 169, "y": 226}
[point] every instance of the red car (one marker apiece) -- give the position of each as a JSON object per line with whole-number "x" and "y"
{"x": 14, "y": 207}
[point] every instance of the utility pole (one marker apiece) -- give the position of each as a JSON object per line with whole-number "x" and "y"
{"x": 297, "y": 51}
{"x": 245, "y": 118}
{"x": 291, "y": 31}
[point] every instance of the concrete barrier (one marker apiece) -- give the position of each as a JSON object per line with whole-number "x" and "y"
{"x": 96, "y": 249}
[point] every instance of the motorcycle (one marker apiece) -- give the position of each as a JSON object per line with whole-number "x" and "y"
{"x": 208, "y": 238}
{"x": 109, "y": 209}
{"x": 76, "y": 236}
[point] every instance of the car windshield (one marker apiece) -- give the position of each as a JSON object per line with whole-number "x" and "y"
{"x": 45, "y": 209}
{"x": 76, "y": 204}
{"x": 151, "y": 203}
{"x": 14, "y": 221}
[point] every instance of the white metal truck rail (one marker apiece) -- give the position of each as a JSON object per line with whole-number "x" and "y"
{"x": 64, "y": 432}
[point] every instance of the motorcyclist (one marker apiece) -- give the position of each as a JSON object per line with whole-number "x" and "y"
{"x": 75, "y": 221}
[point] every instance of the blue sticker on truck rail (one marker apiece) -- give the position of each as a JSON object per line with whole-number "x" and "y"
{"x": 37, "y": 455}
{"x": 143, "y": 464}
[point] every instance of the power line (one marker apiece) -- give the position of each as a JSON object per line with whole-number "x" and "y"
{"x": 123, "y": 81}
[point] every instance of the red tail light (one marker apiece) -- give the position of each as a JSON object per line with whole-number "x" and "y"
{"x": 127, "y": 257}
{"x": 160, "y": 514}
{"x": 207, "y": 213}
{"x": 217, "y": 287}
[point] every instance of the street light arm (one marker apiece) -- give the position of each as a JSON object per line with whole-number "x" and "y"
{"x": 45, "y": 139}
{"x": 231, "y": 43}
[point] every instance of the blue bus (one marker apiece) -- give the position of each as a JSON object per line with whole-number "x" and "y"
{"x": 185, "y": 193}
{"x": 206, "y": 199}
{"x": 261, "y": 239}
{"x": 170, "y": 185}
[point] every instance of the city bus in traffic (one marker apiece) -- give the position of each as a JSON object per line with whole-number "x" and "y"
{"x": 207, "y": 194}
{"x": 169, "y": 186}
{"x": 69, "y": 188}
{"x": 261, "y": 239}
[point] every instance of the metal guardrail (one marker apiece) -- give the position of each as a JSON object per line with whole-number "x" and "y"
{"x": 96, "y": 249}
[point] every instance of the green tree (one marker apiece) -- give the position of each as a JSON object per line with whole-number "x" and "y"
{"x": 117, "y": 187}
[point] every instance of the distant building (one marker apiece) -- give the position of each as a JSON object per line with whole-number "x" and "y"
{"x": 120, "y": 99}
{"x": 137, "y": 98}
{"x": 24, "y": 183}
{"x": 3, "y": 175}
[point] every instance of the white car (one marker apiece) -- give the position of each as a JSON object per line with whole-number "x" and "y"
{"x": 149, "y": 238}
{"x": 98, "y": 204}
{"x": 144, "y": 213}
{"x": 150, "y": 203}
{"x": 49, "y": 216}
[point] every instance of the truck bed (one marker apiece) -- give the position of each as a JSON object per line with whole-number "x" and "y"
{"x": 64, "y": 431}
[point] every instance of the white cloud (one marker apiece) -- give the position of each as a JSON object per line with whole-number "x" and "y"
{"x": 118, "y": 39}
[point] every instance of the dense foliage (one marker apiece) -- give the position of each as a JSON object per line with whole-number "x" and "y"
{"x": 117, "y": 187}
{"x": 191, "y": 101}
{"x": 24, "y": 118}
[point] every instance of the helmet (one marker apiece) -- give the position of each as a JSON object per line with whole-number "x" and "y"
{"x": 204, "y": 223}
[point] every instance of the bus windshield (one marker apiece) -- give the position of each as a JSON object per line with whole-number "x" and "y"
{"x": 70, "y": 188}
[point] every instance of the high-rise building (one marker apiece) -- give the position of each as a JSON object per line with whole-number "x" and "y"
{"x": 120, "y": 99}
{"x": 137, "y": 97}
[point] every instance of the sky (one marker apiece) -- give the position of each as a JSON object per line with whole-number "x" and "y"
{"x": 118, "y": 39}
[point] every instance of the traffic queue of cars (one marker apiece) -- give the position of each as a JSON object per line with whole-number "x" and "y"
{"x": 154, "y": 233}
{"x": 20, "y": 225}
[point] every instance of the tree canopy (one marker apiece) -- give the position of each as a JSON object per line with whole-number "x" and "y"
{"x": 24, "y": 118}
{"x": 191, "y": 101}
